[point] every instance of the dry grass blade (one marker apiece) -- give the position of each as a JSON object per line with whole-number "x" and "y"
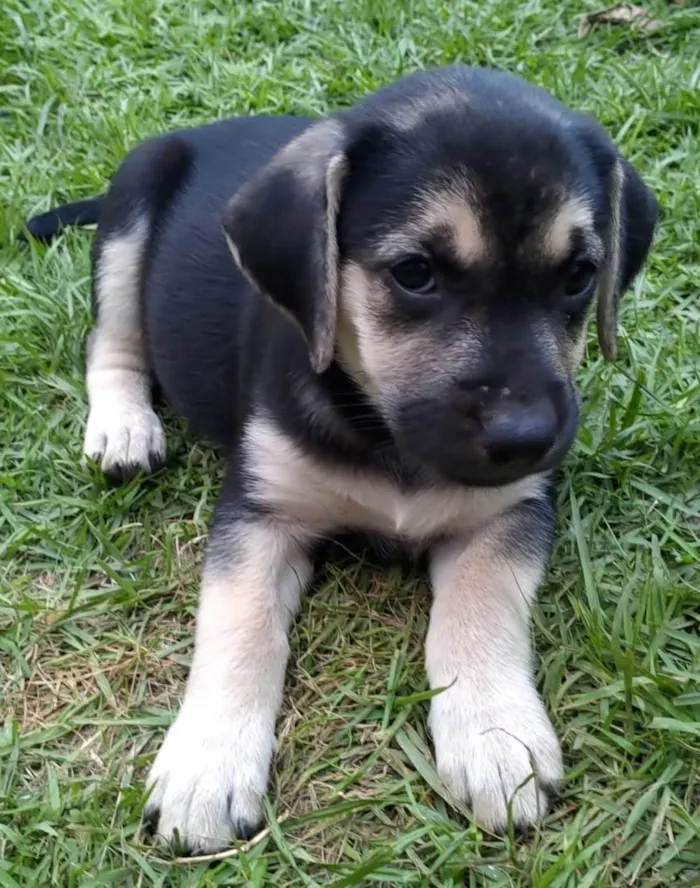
{"x": 626, "y": 14}
{"x": 231, "y": 852}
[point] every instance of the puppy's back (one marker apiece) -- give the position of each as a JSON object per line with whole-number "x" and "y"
{"x": 200, "y": 310}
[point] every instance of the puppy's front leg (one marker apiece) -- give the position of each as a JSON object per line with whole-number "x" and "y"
{"x": 211, "y": 772}
{"x": 494, "y": 744}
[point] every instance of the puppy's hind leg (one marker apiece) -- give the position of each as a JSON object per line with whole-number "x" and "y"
{"x": 123, "y": 432}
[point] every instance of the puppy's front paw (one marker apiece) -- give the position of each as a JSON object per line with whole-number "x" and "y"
{"x": 208, "y": 780}
{"x": 500, "y": 756}
{"x": 125, "y": 440}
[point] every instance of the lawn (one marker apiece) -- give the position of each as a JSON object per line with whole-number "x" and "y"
{"x": 99, "y": 584}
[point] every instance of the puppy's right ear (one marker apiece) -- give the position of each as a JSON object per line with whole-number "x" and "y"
{"x": 281, "y": 228}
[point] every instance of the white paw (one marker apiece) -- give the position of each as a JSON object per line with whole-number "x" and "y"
{"x": 500, "y": 756}
{"x": 125, "y": 440}
{"x": 208, "y": 779}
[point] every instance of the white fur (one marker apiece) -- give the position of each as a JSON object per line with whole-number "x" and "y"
{"x": 497, "y": 752}
{"x": 122, "y": 427}
{"x": 494, "y": 744}
{"x": 212, "y": 769}
{"x": 324, "y": 497}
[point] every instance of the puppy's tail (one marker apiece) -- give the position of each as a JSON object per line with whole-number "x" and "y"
{"x": 47, "y": 226}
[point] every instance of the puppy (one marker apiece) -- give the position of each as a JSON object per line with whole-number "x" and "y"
{"x": 377, "y": 317}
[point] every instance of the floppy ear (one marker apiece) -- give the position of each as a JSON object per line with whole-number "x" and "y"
{"x": 632, "y": 212}
{"x": 631, "y": 219}
{"x": 281, "y": 228}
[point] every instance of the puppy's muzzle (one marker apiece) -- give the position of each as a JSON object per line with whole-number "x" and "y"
{"x": 519, "y": 434}
{"x": 491, "y": 435}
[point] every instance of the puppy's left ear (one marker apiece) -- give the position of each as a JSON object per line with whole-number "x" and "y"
{"x": 632, "y": 217}
{"x": 632, "y": 211}
{"x": 281, "y": 228}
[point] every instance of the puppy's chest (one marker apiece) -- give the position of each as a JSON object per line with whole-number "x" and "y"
{"x": 325, "y": 497}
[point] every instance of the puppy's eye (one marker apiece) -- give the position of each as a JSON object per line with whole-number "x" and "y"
{"x": 414, "y": 274}
{"x": 580, "y": 278}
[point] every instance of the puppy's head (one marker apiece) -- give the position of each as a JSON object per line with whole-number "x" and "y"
{"x": 444, "y": 241}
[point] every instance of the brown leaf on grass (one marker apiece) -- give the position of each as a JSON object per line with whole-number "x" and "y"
{"x": 621, "y": 14}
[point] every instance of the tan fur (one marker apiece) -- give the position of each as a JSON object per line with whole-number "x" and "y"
{"x": 451, "y": 210}
{"x": 213, "y": 767}
{"x": 489, "y": 726}
{"x": 555, "y": 239}
{"x": 455, "y": 212}
{"x": 609, "y": 280}
{"x": 323, "y": 497}
{"x": 122, "y": 428}
{"x": 323, "y": 347}
{"x": 557, "y": 348}
{"x": 576, "y": 352}
{"x": 386, "y": 365}
{"x": 308, "y": 154}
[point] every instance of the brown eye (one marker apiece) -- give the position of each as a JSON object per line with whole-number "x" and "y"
{"x": 414, "y": 274}
{"x": 580, "y": 278}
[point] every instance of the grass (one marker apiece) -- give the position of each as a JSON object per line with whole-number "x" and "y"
{"x": 99, "y": 584}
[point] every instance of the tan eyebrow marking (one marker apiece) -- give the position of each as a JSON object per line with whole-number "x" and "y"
{"x": 555, "y": 236}
{"x": 439, "y": 211}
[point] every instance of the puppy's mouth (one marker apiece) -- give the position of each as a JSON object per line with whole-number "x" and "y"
{"x": 465, "y": 451}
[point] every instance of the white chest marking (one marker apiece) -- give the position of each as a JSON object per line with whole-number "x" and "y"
{"x": 323, "y": 497}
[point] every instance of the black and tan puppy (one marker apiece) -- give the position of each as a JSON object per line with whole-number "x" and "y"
{"x": 392, "y": 351}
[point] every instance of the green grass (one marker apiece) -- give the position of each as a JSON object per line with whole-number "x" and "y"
{"x": 99, "y": 584}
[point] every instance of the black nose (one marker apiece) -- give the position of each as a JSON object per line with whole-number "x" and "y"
{"x": 520, "y": 433}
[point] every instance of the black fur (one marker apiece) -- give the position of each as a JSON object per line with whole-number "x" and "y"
{"x": 530, "y": 530}
{"x": 218, "y": 350}
{"x": 226, "y": 344}
{"x": 639, "y": 207}
{"x": 47, "y": 226}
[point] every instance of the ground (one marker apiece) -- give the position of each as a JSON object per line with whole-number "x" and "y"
{"x": 99, "y": 584}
